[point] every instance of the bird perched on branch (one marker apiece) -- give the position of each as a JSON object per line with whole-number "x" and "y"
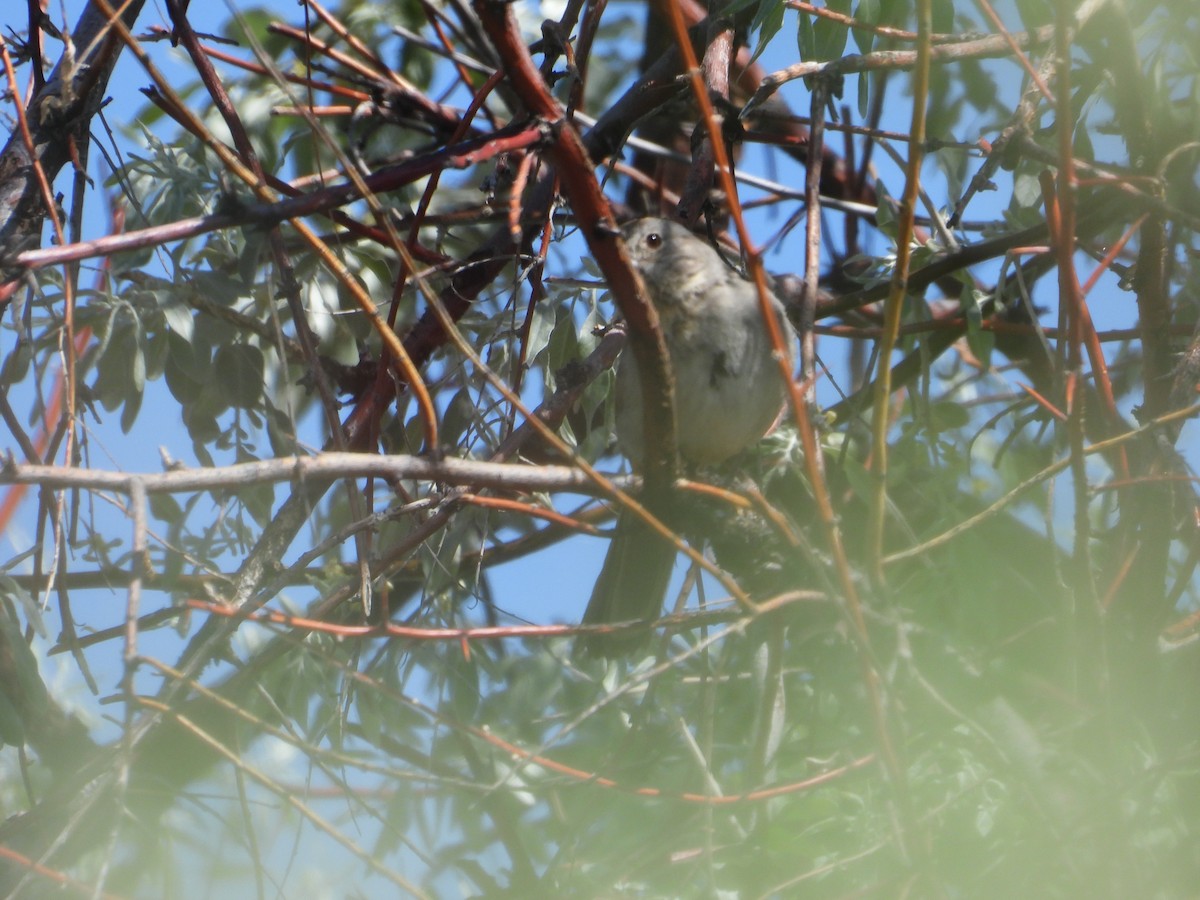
{"x": 728, "y": 392}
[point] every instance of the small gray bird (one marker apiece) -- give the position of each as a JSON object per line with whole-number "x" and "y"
{"x": 728, "y": 393}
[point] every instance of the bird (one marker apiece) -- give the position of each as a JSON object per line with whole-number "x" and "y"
{"x": 729, "y": 391}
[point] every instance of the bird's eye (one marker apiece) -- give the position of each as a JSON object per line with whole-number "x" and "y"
{"x": 654, "y": 240}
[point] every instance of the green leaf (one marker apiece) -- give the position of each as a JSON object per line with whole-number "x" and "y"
{"x": 460, "y": 415}
{"x": 563, "y": 346}
{"x": 129, "y": 412}
{"x": 115, "y": 368}
{"x": 946, "y": 415}
{"x": 165, "y": 508}
{"x": 177, "y": 315}
{"x": 980, "y": 341}
{"x": 240, "y": 368}
{"x": 885, "y": 216}
{"x": 866, "y": 12}
{"x": 157, "y": 349}
{"x": 259, "y": 500}
{"x": 943, "y": 16}
{"x": 806, "y": 38}
{"x": 830, "y": 36}
{"x": 137, "y": 364}
{"x": 281, "y": 429}
{"x": 22, "y": 689}
{"x": 16, "y": 364}
{"x": 860, "y": 480}
{"x": 1027, "y": 190}
{"x": 769, "y": 20}
{"x": 188, "y": 367}
{"x": 540, "y": 330}
{"x": 30, "y": 608}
